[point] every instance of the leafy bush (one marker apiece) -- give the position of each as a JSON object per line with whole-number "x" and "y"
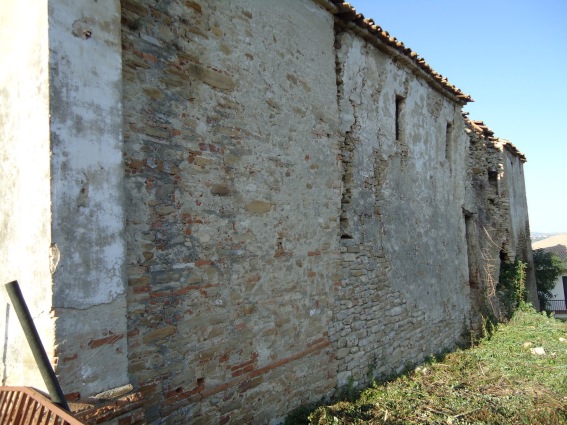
{"x": 548, "y": 267}
{"x": 512, "y": 285}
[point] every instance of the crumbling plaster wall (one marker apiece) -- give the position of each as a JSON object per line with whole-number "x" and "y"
{"x": 87, "y": 194}
{"x": 291, "y": 217}
{"x": 404, "y": 292}
{"x": 24, "y": 190}
{"x": 497, "y": 220}
{"x": 513, "y": 187}
{"x": 233, "y": 181}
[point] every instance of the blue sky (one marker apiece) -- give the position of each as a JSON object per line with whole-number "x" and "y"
{"x": 511, "y": 57}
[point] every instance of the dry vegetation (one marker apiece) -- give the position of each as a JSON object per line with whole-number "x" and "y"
{"x": 502, "y": 380}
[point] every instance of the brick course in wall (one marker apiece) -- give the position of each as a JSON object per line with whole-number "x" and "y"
{"x": 233, "y": 180}
{"x": 304, "y": 206}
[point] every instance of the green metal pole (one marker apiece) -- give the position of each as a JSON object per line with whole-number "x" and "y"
{"x": 36, "y": 346}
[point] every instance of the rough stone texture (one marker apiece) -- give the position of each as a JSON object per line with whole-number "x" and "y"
{"x": 231, "y": 151}
{"x": 497, "y": 224}
{"x": 125, "y": 409}
{"x": 404, "y": 292}
{"x": 513, "y": 188}
{"x": 292, "y": 208}
{"x": 24, "y": 190}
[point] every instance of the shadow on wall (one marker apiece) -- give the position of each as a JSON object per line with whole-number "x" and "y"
{"x": 5, "y": 348}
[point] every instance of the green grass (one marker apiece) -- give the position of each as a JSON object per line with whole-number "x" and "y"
{"x": 499, "y": 381}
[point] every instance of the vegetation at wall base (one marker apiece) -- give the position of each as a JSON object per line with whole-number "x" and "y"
{"x": 518, "y": 376}
{"x": 512, "y": 285}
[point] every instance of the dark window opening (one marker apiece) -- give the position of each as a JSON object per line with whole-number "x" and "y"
{"x": 474, "y": 277}
{"x": 493, "y": 178}
{"x": 399, "y": 116}
{"x": 344, "y": 225}
{"x": 448, "y": 141}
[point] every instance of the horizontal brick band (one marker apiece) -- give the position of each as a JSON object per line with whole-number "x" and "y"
{"x": 199, "y": 393}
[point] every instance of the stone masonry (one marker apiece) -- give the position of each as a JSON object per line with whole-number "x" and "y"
{"x": 497, "y": 224}
{"x": 233, "y": 184}
{"x": 241, "y": 206}
{"x": 402, "y": 256}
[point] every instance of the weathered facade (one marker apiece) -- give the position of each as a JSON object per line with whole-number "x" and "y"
{"x": 403, "y": 257}
{"x": 497, "y": 223}
{"x": 231, "y": 146}
{"x": 244, "y": 205}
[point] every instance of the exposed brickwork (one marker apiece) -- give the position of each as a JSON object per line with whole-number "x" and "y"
{"x": 123, "y": 410}
{"x": 297, "y": 204}
{"x": 233, "y": 212}
{"x": 497, "y": 221}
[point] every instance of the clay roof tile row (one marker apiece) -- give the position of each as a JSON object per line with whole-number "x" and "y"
{"x": 559, "y": 250}
{"x": 346, "y": 12}
{"x": 514, "y": 150}
{"x": 480, "y": 128}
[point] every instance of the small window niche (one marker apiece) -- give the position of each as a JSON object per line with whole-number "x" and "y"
{"x": 449, "y": 141}
{"x": 493, "y": 178}
{"x": 400, "y": 105}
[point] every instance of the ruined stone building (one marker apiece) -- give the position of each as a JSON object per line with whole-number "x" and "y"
{"x": 236, "y": 207}
{"x": 496, "y": 219}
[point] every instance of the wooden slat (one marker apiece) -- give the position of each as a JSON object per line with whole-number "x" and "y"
{"x": 14, "y": 404}
{"x": 3, "y": 395}
{"x": 39, "y": 411}
{"x": 4, "y": 402}
{"x": 29, "y": 411}
{"x": 25, "y": 406}
{"x": 22, "y": 406}
{"x": 47, "y": 417}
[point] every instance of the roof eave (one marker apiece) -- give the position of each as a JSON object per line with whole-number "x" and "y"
{"x": 347, "y": 16}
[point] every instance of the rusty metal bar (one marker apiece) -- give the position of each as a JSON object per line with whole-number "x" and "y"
{"x": 36, "y": 346}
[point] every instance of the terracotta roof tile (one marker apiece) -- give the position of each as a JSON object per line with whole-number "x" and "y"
{"x": 481, "y": 129}
{"x": 347, "y": 14}
{"x": 513, "y": 149}
{"x": 559, "y": 250}
{"x": 552, "y": 241}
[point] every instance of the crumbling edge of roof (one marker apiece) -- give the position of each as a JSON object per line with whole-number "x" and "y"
{"x": 346, "y": 15}
{"x": 509, "y": 146}
{"x": 484, "y": 132}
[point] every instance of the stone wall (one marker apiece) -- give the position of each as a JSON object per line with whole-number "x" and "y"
{"x": 243, "y": 207}
{"x": 404, "y": 292}
{"x": 231, "y": 146}
{"x": 496, "y": 219}
{"x": 514, "y": 189}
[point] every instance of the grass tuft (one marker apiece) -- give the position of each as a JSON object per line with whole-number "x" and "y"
{"x": 507, "y": 379}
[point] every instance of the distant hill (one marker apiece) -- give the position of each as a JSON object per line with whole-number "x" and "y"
{"x": 556, "y": 244}
{"x": 538, "y": 236}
